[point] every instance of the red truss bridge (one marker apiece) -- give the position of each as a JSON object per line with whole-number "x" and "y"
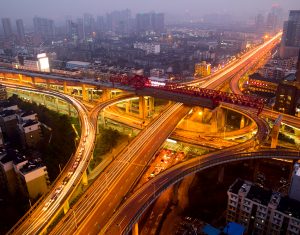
{"x": 190, "y": 95}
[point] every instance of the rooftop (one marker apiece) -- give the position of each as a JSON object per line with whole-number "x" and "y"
{"x": 260, "y": 195}
{"x": 13, "y": 155}
{"x": 257, "y": 76}
{"x": 290, "y": 207}
{"x": 234, "y": 229}
{"x": 30, "y": 123}
{"x": 6, "y": 104}
{"x": 235, "y": 187}
{"x": 6, "y": 113}
{"x": 27, "y": 113}
{"x": 31, "y": 166}
{"x": 80, "y": 63}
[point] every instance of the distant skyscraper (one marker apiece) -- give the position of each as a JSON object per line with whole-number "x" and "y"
{"x": 143, "y": 22}
{"x": 150, "y": 22}
{"x": 259, "y": 22}
{"x": 80, "y": 26}
{"x": 7, "y": 27}
{"x": 294, "y": 191}
{"x": 119, "y": 21}
{"x": 274, "y": 19}
{"x": 72, "y": 30}
{"x": 290, "y": 43}
{"x": 20, "y": 30}
{"x": 44, "y": 28}
{"x": 158, "y": 22}
{"x": 89, "y": 24}
{"x": 298, "y": 68}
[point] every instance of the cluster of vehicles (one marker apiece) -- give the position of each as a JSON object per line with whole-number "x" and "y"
{"x": 59, "y": 189}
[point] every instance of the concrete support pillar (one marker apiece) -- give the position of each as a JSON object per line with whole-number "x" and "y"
{"x": 135, "y": 229}
{"x": 218, "y": 119}
{"x": 274, "y": 136}
{"x": 242, "y": 123}
{"x": 275, "y": 132}
{"x": 48, "y": 83}
{"x": 106, "y": 95}
{"x": 142, "y": 107}
{"x": 151, "y": 106}
{"x": 84, "y": 178}
{"x": 65, "y": 87}
{"x": 69, "y": 110}
{"x": 66, "y": 206}
{"x": 84, "y": 93}
{"x": 33, "y": 80}
{"x": 102, "y": 119}
{"x": 127, "y": 106}
{"x": 56, "y": 104}
{"x": 221, "y": 174}
{"x": 214, "y": 122}
{"x": 20, "y": 77}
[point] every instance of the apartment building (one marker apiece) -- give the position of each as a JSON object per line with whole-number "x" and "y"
{"x": 262, "y": 211}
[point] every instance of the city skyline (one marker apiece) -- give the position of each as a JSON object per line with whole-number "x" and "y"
{"x": 185, "y": 9}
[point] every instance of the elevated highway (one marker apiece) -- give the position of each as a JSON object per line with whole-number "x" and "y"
{"x": 99, "y": 213}
{"x": 130, "y": 212}
{"x": 44, "y": 211}
{"x": 289, "y": 120}
{"x": 38, "y": 222}
{"x": 97, "y": 205}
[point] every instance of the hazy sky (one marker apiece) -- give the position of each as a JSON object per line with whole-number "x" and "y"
{"x": 59, "y": 9}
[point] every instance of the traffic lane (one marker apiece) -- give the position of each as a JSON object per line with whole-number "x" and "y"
{"x": 120, "y": 189}
{"x": 135, "y": 168}
{"x": 82, "y": 208}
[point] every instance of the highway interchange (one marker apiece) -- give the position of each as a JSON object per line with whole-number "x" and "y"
{"x": 98, "y": 201}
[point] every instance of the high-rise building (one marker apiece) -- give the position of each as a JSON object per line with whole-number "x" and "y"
{"x": 150, "y": 22}
{"x": 262, "y": 211}
{"x": 143, "y": 22}
{"x": 259, "y": 22}
{"x": 202, "y": 69}
{"x": 89, "y": 25}
{"x": 290, "y": 43}
{"x": 119, "y": 21}
{"x": 72, "y": 30}
{"x": 274, "y": 19}
{"x": 294, "y": 191}
{"x": 7, "y": 27}
{"x": 20, "y": 30}
{"x": 80, "y": 26}
{"x": 158, "y": 22}
{"x": 298, "y": 69}
{"x": 44, "y": 27}
{"x": 288, "y": 95}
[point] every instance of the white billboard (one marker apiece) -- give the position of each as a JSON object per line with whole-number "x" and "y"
{"x": 43, "y": 62}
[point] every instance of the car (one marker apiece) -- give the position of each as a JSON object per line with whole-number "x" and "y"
{"x": 47, "y": 205}
{"x": 65, "y": 180}
{"x": 75, "y": 165}
{"x": 59, "y": 189}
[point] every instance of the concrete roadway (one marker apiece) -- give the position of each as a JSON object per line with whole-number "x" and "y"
{"x": 287, "y": 119}
{"x": 43, "y": 212}
{"x": 97, "y": 205}
{"x": 89, "y": 225}
{"x": 133, "y": 208}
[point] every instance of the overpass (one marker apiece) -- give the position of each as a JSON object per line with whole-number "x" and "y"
{"x": 132, "y": 209}
{"x": 44, "y": 211}
{"x": 97, "y": 205}
{"x": 67, "y": 224}
{"x": 177, "y": 92}
{"x": 6, "y": 73}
